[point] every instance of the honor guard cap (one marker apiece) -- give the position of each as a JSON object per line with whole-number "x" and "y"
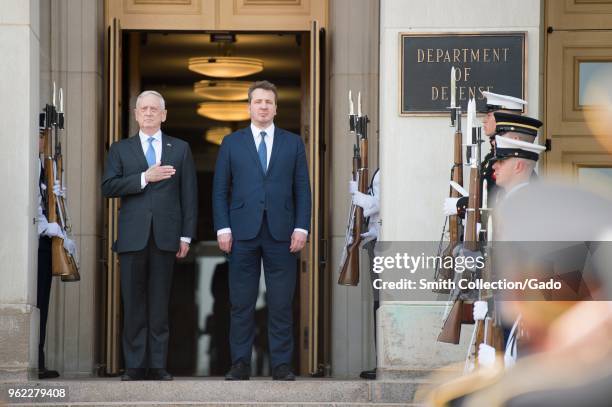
{"x": 507, "y": 122}
{"x": 502, "y": 102}
{"x": 507, "y": 148}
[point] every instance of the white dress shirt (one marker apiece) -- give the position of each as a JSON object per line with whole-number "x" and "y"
{"x": 269, "y": 140}
{"x": 157, "y": 146}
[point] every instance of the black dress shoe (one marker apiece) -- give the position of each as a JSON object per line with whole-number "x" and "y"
{"x": 368, "y": 374}
{"x": 239, "y": 371}
{"x": 159, "y": 374}
{"x": 283, "y": 372}
{"x": 133, "y": 374}
{"x": 47, "y": 374}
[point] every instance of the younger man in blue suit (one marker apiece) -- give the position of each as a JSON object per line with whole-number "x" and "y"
{"x": 261, "y": 206}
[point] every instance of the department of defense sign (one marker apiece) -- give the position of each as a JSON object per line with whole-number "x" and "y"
{"x": 492, "y": 62}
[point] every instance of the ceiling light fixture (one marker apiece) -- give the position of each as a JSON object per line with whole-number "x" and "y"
{"x": 222, "y": 90}
{"x": 224, "y": 111}
{"x": 225, "y": 67}
{"x": 215, "y": 135}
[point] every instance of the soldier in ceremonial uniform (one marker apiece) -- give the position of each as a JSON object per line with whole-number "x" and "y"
{"x": 495, "y": 104}
{"x": 370, "y": 203}
{"x": 514, "y": 164}
{"x": 46, "y": 230}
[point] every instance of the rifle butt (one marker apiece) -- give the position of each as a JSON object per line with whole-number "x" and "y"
{"x": 349, "y": 275}
{"x": 69, "y": 278}
{"x": 451, "y": 330}
{"x": 62, "y": 263}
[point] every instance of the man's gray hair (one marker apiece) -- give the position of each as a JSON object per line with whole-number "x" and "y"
{"x": 162, "y": 102}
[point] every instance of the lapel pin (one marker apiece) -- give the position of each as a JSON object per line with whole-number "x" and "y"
{"x": 168, "y": 144}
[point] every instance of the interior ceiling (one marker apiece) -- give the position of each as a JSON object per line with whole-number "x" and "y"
{"x": 163, "y": 60}
{"x": 280, "y": 52}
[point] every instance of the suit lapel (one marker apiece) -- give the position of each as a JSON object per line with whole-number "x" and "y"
{"x": 249, "y": 143}
{"x": 167, "y": 149}
{"x": 136, "y": 146}
{"x": 276, "y": 147}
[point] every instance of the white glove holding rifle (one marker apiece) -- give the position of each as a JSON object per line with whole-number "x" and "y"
{"x": 486, "y": 355}
{"x": 58, "y": 190}
{"x": 365, "y": 201}
{"x": 53, "y": 230}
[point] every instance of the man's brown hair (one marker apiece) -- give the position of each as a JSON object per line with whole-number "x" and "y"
{"x": 265, "y": 85}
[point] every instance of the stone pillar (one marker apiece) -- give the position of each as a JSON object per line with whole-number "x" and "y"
{"x": 19, "y": 47}
{"x": 76, "y": 64}
{"x": 353, "y": 56}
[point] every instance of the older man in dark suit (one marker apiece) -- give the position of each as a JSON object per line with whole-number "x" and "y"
{"x": 261, "y": 204}
{"x": 154, "y": 175}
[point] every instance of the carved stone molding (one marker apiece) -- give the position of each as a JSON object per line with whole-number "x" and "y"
{"x": 166, "y": 2}
{"x": 189, "y": 7}
{"x": 281, "y": 15}
{"x": 272, "y": 2}
{"x": 271, "y": 7}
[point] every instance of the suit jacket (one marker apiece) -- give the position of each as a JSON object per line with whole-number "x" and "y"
{"x": 168, "y": 207}
{"x": 242, "y": 191}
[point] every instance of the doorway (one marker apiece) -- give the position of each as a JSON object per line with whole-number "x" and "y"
{"x": 199, "y": 308}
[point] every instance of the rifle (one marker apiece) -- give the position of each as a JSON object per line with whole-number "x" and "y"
{"x": 472, "y": 217}
{"x": 349, "y": 263}
{"x": 446, "y": 272}
{"x": 488, "y": 331}
{"x": 63, "y": 263}
{"x": 461, "y": 311}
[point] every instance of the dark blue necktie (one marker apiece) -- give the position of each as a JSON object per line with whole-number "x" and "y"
{"x": 150, "y": 152}
{"x": 262, "y": 151}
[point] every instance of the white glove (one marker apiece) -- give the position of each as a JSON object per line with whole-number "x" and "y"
{"x": 57, "y": 189}
{"x": 53, "y": 229}
{"x": 450, "y": 206}
{"x": 353, "y": 187}
{"x": 362, "y": 200}
{"x": 371, "y": 234}
{"x": 480, "y": 310}
{"x": 70, "y": 246}
{"x": 486, "y": 355}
